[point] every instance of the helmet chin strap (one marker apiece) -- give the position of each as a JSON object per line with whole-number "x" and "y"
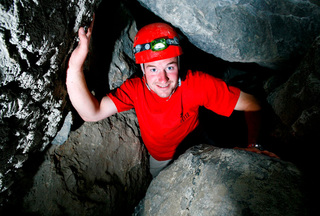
{"x": 144, "y": 75}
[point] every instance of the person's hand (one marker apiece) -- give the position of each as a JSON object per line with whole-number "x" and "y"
{"x": 80, "y": 53}
{"x": 255, "y": 150}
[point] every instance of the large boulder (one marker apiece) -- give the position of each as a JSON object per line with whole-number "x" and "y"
{"x": 265, "y": 32}
{"x": 101, "y": 170}
{"x": 212, "y": 181}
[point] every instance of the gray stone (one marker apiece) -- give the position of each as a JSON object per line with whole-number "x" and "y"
{"x": 296, "y": 101}
{"x": 265, "y": 32}
{"x": 35, "y": 39}
{"x": 123, "y": 65}
{"x": 101, "y": 170}
{"x": 212, "y": 181}
{"x": 64, "y": 132}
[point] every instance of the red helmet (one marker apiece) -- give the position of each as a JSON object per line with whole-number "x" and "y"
{"x": 155, "y": 42}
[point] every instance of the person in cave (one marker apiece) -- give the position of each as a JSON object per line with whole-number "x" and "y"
{"x": 166, "y": 102}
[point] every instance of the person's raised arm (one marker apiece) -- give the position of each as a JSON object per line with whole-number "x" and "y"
{"x": 88, "y": 107}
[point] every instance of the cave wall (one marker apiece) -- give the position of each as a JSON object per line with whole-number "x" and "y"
{"x": 35, "y": 39}
{"x": 270, "y": 33}
{"x": 296, "y": 101}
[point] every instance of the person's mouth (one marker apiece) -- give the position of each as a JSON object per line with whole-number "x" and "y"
{"x": 163, "y": 86}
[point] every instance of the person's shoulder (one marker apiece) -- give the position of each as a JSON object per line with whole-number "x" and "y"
{"x": 134, "y": 78}
{"x": 195, "y": 75}
{"x": 134, "y": 81}
{"x": 193, "y": 80}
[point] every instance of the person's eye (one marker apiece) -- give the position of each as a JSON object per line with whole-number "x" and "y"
{"x": 153, "y": 70}
{"x": 170, "y": 68}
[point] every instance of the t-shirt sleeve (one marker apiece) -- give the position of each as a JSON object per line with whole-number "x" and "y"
{"x": 217, "y": 95}
{"x": 123, "y": 97}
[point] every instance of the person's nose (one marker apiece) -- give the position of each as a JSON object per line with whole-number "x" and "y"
{"x": 163, "y": 76}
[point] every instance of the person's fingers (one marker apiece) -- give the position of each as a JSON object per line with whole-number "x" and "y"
{"x": 255, "y": 150}
{"x": 90, "y": 29}
{"x": 82, "y": 33}
{"x": 270, "y": 154}
{"x": 83, "y": 40}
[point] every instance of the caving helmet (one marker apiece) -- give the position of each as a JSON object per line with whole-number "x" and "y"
{"x": 155, "y": 42}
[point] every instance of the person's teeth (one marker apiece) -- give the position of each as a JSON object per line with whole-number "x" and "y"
{"x": 163, "y": 86}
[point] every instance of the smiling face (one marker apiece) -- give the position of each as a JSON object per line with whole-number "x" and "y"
{"x": 162, "y": 76}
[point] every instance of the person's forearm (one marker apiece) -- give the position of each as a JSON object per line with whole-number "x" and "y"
{"x": 251, "y": 107}
{"x": 80, "y": 96}
{"x": 253, "y": 120}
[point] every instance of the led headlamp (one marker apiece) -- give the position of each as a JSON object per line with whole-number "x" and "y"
{"x": 156, "y": 45}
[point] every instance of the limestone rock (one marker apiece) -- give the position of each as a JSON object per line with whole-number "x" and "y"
{"x": 123, "y": 65}
{"x": 64, "y": 132}
{"x": 296, "y": 102}
{"x": 101, "y": 170}
{"x": 35, "y": 39}
{"x": 213, "y": 181}
{"x": 264, "y": 32}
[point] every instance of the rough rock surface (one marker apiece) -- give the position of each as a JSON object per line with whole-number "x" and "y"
{"x": 213, "y": 181}
{"x": 296, "y": 102}
{"x": 100, "y": 170}
{"x": 265, "y": 32}
{"x": 35, "y": 39}
{"x": 122, "y": 65}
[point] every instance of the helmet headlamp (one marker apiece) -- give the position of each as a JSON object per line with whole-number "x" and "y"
{"x": 156, "y": 45}
{"x": 155, "y": 42}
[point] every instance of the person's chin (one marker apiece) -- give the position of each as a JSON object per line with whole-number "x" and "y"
{"x": 164, "y": 94}
{"x": 164, "y": 90}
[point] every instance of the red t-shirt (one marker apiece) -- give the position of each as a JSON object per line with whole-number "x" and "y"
{"x": 165, "y": 122}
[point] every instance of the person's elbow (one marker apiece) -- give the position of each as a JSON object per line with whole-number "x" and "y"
{"x": 90, "y": 118}
{"x": 105, "y": 109}
{"x": 247, "y": 102}
{"x": 254, "y": 107}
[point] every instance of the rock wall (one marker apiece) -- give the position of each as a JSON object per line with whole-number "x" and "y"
{"x": 35, "y": 40}
{"x": 265, "y": 32}
{"x": 296, "y": 101}
{"x": 213, "y": 181}
{"x": 100, "y": 170}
